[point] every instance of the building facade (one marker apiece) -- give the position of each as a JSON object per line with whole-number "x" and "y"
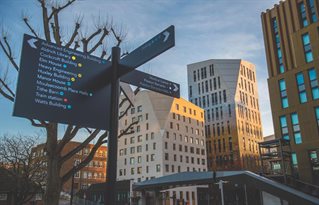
{"x": 291, "y": 36}
{"x": 94, "y": 172}
{"x": 169, "y": 138}
{"x": 227, "y": 91}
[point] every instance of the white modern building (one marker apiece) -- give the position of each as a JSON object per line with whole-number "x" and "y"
{"x": 227, "y": 90}
{"x": 169, "y": 138}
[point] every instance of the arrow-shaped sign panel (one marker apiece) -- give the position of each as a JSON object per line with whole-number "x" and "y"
{"x": 149, "y": 50}
{"x": 151, "y": 82}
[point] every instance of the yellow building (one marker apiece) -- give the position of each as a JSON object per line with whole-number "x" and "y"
{"x": 227, "y": 90}
{"x": 291, "y": 35}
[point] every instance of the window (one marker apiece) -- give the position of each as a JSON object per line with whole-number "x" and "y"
{"x": 277, "y": 42}
{"x": 283, "y": 93}
{"x": 313, "y": 83}
{"x": 132, "y": 140}
{"x": 194, "y": 75}
{"x": 139, "y": 108}
{"x": 158, "y": 168}
{"x": 230, "y": 144}
{"x": 132, "y": 160}
{"x": 311, "y": 5}
{"x": 284, "y": 128}
{"x": 296, "y": 128}
{"x": 301, "y": 87}
{"x": 317, "y": 115}
{"x": 132, "y": 150}
{"x": 190, "y": 91}
{"x": 303, "y": 15}
{"x": 307, "y": 47}
{"x": 313, "y": 156}
{"x": 294, "y": 160}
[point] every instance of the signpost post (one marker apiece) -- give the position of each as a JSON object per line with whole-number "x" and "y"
{"x": 139, "y": 56}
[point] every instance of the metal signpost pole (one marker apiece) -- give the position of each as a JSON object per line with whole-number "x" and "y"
{"x": 113, "y": 132}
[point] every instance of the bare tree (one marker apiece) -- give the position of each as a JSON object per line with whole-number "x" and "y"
{"x": 89, "y": 43}
{"x": 26, "y": 171}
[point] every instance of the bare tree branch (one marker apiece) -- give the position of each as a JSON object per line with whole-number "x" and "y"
{"x": 100, "y": 42}
{"x": 75, "y": 169}
{"x": 38, "y": 124}
{"x": 60, "y": 8}
{"x": 68, "y": 136}
{"x": 9, "y": 53}
{"x": 85, "y": 41}
{"x": 119, "y": 37}
{"x": 26, "y": 21}
{"x": 127, "y": 129}
{"x": 6, "y": 95}
{"x": 122, "y": 102}
{"x": 7, "y": 88}
{"x": 56, "y": 32}
{"x": 75, "y": 33}
{"x": 46, "y": 20}
{"x": 76, "y": 45}
{"x": 80, "y": 147}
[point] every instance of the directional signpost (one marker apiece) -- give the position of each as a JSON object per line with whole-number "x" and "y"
{"x": 144, "y": 53}
{"x": 54, "y": 84}
{"x": 62, "y": 85}
{"x": 151, "y": 82}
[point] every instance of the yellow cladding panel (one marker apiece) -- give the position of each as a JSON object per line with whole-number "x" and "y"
{"x": 180, "y": 109}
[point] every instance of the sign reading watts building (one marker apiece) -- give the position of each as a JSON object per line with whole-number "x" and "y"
{"x": 55, "y": 84}
{"x": 62, "y": 85}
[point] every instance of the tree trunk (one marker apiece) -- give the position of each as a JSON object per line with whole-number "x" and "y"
{"x": 53, "y": 182}
{"x": 53, "y": 185}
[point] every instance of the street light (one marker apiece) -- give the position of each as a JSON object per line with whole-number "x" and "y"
{"x": 221, "y": 187}
{"x": 72, "y": 184}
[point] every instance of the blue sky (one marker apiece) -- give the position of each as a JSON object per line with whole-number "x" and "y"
{"x": 205, "y": 29}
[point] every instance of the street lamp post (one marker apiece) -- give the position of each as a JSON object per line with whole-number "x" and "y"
{"x": 221, "y": 187}
{"x": 72, "y": 184}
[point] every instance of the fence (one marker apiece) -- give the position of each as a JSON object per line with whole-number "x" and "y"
{"x": 79, "y": 201}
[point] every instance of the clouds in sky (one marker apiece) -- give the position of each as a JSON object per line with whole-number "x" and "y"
{"x": 204, "y": 30}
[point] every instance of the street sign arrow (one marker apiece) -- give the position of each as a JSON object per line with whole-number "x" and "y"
{"x": 31, "y": 42}
{"x": 149, "y": 50}
{"x": 166, "y": 34}
{"x": 151, "y": 82}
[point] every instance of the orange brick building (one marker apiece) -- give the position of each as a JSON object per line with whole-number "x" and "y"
{"x": 94, "y": 172}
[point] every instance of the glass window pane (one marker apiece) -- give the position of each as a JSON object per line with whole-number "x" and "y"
{"x": 298, "y": 139}
{"x": 284, "y": 102}
{"x": 283, "y": 121}
{"x": 285, "y": 137}
{"x": 282, "y": 84}
{"x": 312, "y": 74}
{"x": 306, "y": 39}
{"x": 317, "y": 112}
{"x": 294, "y": 119}
{"x": 300, "y": 79}
{"x": 281, "y": 68}
{"x": 303, "y": 97}
{"x": 315, "y": 93}
{"x": 294, "y": 159}
{"x": 309, "y": 57}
